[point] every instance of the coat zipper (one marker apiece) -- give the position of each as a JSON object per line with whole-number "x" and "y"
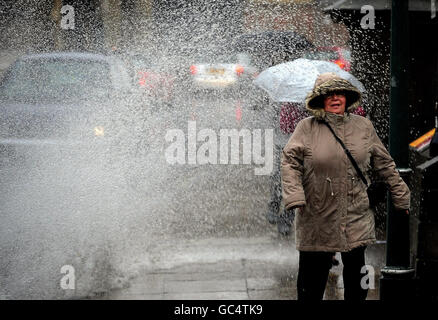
{"x": 352, "y": 190}
{"x": 330, "y": 183}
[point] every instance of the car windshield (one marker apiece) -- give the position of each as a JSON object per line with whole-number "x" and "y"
{"x": 211, "y": 55}
{"x": 48, "y": 79}
{"x": 321, "y": 55}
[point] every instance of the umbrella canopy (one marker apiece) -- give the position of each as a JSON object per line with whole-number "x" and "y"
{"x": 293, "y": 80}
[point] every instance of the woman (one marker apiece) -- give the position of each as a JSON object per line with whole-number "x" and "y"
{"x": 290, "y": 114}
{"x": 318, "y": 179}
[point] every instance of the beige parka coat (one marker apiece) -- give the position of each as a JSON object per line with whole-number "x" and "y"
{"x": 318, "y": 176}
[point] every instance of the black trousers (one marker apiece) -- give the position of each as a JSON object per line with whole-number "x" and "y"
{"x": 314, "y": 268}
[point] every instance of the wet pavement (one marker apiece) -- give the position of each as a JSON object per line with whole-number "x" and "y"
{"x": 262, "y": 268}
{"x": 234, "y": 268}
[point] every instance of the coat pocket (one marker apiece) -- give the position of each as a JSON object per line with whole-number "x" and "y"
{"x": 325, "y": 193}
{"x": 359, "y": 194}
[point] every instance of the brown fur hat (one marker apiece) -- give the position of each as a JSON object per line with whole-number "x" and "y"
{"x": 329, "y": 82}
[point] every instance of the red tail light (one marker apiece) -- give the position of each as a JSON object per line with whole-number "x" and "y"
{"x": 193, "y": 69}
{"x": 238, "y": 111}
{"x": 142, "y": 78}
{"x": 239, "y": 70}
{"x": 340, "y": 63}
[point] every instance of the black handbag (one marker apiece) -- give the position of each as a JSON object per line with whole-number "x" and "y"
{"x": 376, "y": 190}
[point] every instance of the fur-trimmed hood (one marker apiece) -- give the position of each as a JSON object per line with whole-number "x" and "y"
{"x": 329, "y": 82}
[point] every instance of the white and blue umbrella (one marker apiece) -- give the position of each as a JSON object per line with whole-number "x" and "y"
{"x": 292, "y": 81}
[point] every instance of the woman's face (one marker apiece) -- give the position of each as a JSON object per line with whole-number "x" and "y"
{"x": 334, "y": 102}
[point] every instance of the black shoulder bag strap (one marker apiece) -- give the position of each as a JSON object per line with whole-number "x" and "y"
{"x": 359, "y": 172}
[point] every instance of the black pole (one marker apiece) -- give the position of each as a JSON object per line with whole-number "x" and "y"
{"x": 396, "y": 281}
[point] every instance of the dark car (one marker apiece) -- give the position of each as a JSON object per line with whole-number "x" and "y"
{"x": 339, "y": 55}
{"x": 273, "y": 47}
{"x": 65, "y": 100}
